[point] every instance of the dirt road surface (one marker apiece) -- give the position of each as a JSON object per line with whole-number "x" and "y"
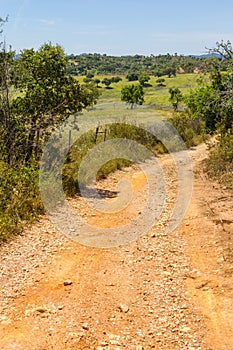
{"x": 162, "y": 291}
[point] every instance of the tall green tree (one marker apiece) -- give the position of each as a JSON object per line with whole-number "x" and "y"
{"x": 133, "y": 94}
{"x": 48, "y": 95}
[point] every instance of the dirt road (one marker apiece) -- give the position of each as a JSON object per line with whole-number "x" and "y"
{"x": 162, "y": 291}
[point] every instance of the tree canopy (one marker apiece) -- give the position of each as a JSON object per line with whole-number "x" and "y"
{"x": 213, "y": 100}
{"x": 45, "y": 97}
{"x": 133, "y": 94}
{"x": 133, "y": 66}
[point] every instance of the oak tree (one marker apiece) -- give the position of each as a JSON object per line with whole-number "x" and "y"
{"x": 132, "y": 94}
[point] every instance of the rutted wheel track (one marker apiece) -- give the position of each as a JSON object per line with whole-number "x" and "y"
{"x": 57, "y": 294}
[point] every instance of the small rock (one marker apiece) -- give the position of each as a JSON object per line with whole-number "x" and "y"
{"x": 167, "y": 273}
{"x": 104, "y": 343}
{"x": 41, "y": 309}
{"x": 5, "y": 320}
{"x": 76, "y": 335}
{"x": 115, "y": 342}
{"x": 124, "y": 308}
{"x": 185, "y": 329}
{"x": 85, "y": 326}
{"x": 150, "y": 257}
{"x": 28, "y": 312}
{"x": 67, "y": 283}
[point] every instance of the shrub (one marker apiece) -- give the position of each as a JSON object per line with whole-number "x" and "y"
{"x": 191, "y": 130}
{"x": 19, "y": 198}
{"x": 220, "y": 162}
{"x": 87, "y": 142}
{"x": 132, "y": 76}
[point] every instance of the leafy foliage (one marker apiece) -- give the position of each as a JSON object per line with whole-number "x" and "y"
{"x": 48, "y": 96}
{"x": 144, "y": 78}
{"x": 132, "y": 76}
{"x": 175, "y": 97}
{"x": 213, "y": 102}
{"x": 160, "y": 82}
{"x": 132, "y": 94}
{"x": 19, "y": 198}
{"x": 133, "y": 66}
{"x": 220, "y": 162}
{"x": 191, "y": 130}
{"x": 107, "y": 82}
{"x": 36, "y": 94}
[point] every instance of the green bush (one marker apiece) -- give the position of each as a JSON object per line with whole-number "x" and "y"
{"x": 192, "y": 131}
{"x": 220, "y": 162}
{"x": 19, "y": 198}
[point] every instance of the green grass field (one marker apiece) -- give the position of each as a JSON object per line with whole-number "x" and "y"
{"x": 154, "y": 95}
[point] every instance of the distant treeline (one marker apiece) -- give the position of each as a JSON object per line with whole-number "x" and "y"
{"x": 153, "y": 65}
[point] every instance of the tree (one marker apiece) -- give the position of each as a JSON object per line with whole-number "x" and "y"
{"x": 144, "y": 78}
{"x": 160, "y": 82}
{"x": 90, "y": 75}
{"x": 214, "y": 101}
{"x": 175, "y": 97}
{"x": 116, "y": 79}
{"x": 170, "y": 72}
{"x": 216, "y": 107}
{"x": 48, "y": 97}
{"x": 87, "y": 80}
{"x": 96, "y": 81}
{"x": 201, "y": 104}
{"x": 107, "y": 82}
{"x": 90, "y": 94}
{"x": 132, "y": 94}
{"x": 224, "y": 49}
{"x": 158, "y": 73}
{"x": 132, "y": 77}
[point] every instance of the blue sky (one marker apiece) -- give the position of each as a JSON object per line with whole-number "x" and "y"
{"x": 119, "y": 27}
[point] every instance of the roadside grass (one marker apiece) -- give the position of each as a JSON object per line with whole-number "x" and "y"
{"x": 122, "y": 127}
{"x": 20, "y": 201}
{"x": 219, "y": 165}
